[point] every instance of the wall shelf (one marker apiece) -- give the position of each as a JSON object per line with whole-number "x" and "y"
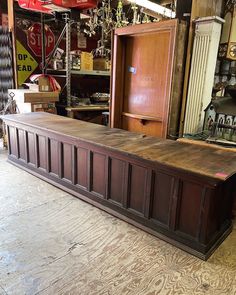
{"x": 142, "y": 117}
{"x": 77, "y": 72}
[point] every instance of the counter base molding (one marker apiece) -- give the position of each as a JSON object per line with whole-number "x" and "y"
{"x": 189, "y": 209}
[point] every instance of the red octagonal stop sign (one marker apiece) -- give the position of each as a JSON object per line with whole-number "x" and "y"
{"x": 34, "y": 39}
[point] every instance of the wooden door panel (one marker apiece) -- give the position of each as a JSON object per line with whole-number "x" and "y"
{"x": 99, "y": 174}
{"x": 189, "y": 208}
{"x": 22, "y": 147}
{"x": 137, "y": 188}
{"x": 12, "y": 139}
{"x": 162, "y": 194}
{"x": 31, "y": 145}
{"x": 42, "y": 159}
{"x": 146, "y": 67}
{"x": 82, "y": 167}
{"x": 142, "y": 70}
{"x": 116, "y": 180}
{"x": 53, "y": 157}
{"x": 67, "y": 161}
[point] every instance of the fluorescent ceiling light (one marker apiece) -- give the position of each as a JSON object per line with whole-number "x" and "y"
{"x": 155, "y": 7}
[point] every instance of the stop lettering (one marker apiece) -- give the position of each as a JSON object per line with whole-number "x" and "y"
{"x": 34, "y": 39}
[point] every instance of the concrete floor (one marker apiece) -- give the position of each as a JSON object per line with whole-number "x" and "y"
{"x": 53, "y": 243}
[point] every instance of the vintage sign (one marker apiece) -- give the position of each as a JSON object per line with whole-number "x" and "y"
{"x": 26, "y": 64}
{"x": 34, "y": 39}
{"x": 81, "y": 41}
{"x": 34, "y": 5}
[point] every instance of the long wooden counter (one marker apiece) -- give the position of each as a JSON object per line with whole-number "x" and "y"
{"x": 179, "y": 192}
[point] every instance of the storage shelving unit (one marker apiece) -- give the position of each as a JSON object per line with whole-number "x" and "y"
{"x": 82, "y": 74}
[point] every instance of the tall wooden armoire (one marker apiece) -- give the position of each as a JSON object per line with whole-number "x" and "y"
{"x": 147, "y": 74}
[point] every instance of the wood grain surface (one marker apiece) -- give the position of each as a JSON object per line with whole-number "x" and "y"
{"x": 214, "y": 163}
{"x": 213, "y": 146}
{"x": 137, "y": 90}
{"x": 52, "y": 243}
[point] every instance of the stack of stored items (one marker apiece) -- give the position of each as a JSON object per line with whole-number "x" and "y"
{"x": 6, "y": 71}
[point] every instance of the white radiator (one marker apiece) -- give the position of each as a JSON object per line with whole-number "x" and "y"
{"x": 201, "y": 79}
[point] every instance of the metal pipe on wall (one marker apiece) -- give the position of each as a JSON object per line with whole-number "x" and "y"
{"x": 43, "y": 43}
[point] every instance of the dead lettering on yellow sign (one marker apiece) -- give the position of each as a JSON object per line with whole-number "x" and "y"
{"x": 26, "y": 64}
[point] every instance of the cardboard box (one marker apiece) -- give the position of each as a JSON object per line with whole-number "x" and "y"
{"x": 44, "y": 84}
{"x": 86, "y": 61}
{"x": 101, "y": 64}
{"x": 44, "y": 107}
{"x": 26, "y": 98}
{"x": 32, "y": 86}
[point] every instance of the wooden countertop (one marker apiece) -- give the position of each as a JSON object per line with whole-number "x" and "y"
{"x": 202, "y": 160}
{"x": 207, "y": 144}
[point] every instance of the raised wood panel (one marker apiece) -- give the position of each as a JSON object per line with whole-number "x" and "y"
{"x": 229, "y": 193}
{"x": 145, "y": 73}
{"x": 31, "y": 148}
{"x": 98, "y": 174}
{"x": 116, "y": 180}
{"x": 137, "y": 188}
{"x": 82, "y": 167}
{"x": 162, "y": 196}
{"x": 54, "y": 156}
{"x": 42, "y": 158}
{"x": 146, "y": 82}
{"x": 22, "y": 147}
{"x": 210, "y": 209}
{"x": 190, "y": 208}
{"x": 67, "y": 161}
{"x": 13, "y": 141}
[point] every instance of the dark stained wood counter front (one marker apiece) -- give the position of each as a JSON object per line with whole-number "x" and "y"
{"x": 180, "y": 192}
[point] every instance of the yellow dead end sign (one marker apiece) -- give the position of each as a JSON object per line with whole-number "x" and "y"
{"x": 26, "y": 64}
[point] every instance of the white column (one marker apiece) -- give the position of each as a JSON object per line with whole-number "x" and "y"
{"x": 201, "y": 79}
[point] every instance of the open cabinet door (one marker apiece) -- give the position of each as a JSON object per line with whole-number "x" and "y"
{"x": 143, "y": 61}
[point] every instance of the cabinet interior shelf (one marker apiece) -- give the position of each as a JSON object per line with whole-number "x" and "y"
{"x": 142, "y": 117}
